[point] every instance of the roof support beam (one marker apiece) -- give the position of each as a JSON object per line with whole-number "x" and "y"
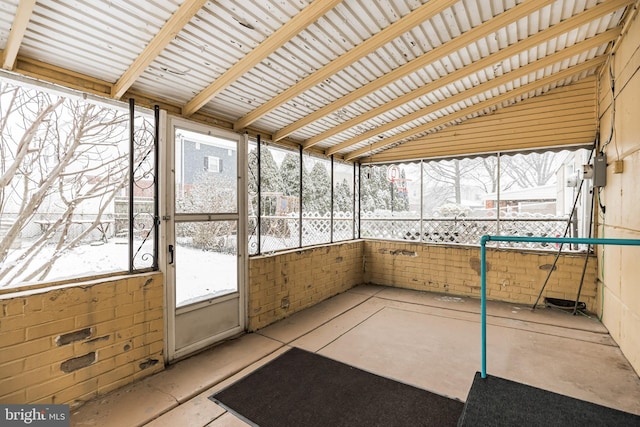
{"x": 482, "y": 30}
{"x": 168, "y": 32}
{"x": 18, "y": 29}
{"x": 528, "y": 43}
{"x": 595, "y": 41}
{"x": 306, "y": 17}
{"x": 492, "y": 102}
{"x": 393, "y": 31}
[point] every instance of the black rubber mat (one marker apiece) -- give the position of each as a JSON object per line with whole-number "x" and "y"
{"x": 494, "y": 401}
{"x": 304, "y": 389}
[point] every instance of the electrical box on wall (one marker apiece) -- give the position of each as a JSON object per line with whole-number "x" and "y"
{"x": 600, "y": 170}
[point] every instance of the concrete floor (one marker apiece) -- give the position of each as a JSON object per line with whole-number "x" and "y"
{"x": 428, "y": 340}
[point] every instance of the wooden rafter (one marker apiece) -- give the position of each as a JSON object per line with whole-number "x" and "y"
{"x": 529, "y": 42}
{"x": 585, "y": 66}
{"x": 488, "y": 27}
{"x": 306, "y": 17}
{"x": 18, "y": 29}
{"x": 393, "y": 31}
{"x": 167, "y": 33}
{"x": 595, "y": 41}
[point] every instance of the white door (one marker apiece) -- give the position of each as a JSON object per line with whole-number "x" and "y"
{"x": 206, "y": 249}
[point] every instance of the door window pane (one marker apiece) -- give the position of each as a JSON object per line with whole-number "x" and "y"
{"x": 206, "y": 173}
{"x": 206, "y": 260}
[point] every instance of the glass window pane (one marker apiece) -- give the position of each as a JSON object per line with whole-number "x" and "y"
{"x": 343, "y": 219}
{"x": 390, "y": 201}
{"x": 206, "y": 260}
{"x": 64, "y": 212}
{"x": 206, "y": 173}
{"x": 457, "y": 208}
{"x": 252, "y": 194}
{"x": 316, "y": 200}
{"x": 279, "y": 197}
{"x": 537, "y": 193}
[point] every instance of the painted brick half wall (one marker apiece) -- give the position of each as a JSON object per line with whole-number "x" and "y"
{"x": 69, "y": 343}
{"x": 513, "y": 276}
{"x": 287, "y": 282}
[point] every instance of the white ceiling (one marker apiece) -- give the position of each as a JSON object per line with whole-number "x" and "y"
{"x": 349, "y": 78}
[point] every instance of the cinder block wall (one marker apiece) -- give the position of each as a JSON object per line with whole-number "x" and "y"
{"x": 287, "y": 282}
{"x": 512, "y": 276}
{"x": 70, "y": 343}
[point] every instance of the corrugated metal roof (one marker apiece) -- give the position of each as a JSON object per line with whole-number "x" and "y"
{"x": 342, "y": 77}
{"x": 8, "y": 10}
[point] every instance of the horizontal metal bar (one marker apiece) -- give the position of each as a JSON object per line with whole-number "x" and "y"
{"x": 575, "y": 240}
{"x": 483, "y": 271}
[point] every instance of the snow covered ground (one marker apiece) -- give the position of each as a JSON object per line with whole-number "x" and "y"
{"x": 199, "y": 273}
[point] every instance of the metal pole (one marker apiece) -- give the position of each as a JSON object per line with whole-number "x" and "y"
{"x": 483, "y": 302}
{"x": 156, "y": 189}
{"x": 483, "y": 272}
{"x": 555, "y": 261}
{"x": 421, "y": 201}
{"x": 359, "y": 200}
{"x": 331, "y": 201}
{"x": 356, "y": 168}
{"x": 132, "y": 109}
{"x": 499, "y": 163}
{"x": 301, "y": 189}
{"x": 259, "y": 214}
{"x": 586, "y": 256}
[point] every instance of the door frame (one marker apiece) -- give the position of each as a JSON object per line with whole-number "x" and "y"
{"x": 167, "y": 203}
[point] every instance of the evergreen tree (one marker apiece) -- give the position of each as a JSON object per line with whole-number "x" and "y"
{"x": 378, "y": 193}
{"x": 343, "y": 197}
{"x": 270, "y": 178}
{"x": 290, "y": 173}
{"x": 318, "y": 197}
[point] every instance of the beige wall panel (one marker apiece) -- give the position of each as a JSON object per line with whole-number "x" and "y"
{"x": 619, "y": 266}
{"x": 630, "y": 289}
{"x": 630, "y": 325}
{"x": 626, "y": 140}
{"x": 612, "y": 317}
{"x": 629, "y": 193}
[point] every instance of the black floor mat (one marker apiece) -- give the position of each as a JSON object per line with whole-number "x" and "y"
{"x": 303, "y": 389}
{"x": 495, "y": 401}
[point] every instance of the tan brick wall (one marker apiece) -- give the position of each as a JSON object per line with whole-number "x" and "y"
{"x": 287, "y": 282}
{"x": 69, "y": 343}
{"x": 512, "y": 276}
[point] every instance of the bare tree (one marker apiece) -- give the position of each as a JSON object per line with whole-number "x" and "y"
{"x": 451, "y": 174}
{"x": 530, "y": 170}
{"x": 60, "y": 157}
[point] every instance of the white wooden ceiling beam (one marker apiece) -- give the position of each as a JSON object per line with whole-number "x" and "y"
{"x": 593, "y": 63}
{"x": 18, "y": 29}
{"x": 302, "y": 20}
{"x": 586, "y": 45}
{"x": 158, "y": 43}
{"x": 529, "y": 42}
{"x": 393, "y": 31}
{"x": 519, "y": 11}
